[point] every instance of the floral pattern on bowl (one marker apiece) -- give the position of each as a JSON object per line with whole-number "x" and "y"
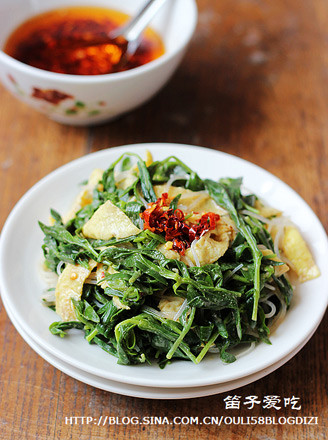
{"x": 53, "y": 96}
{"x": 52, "y": 101}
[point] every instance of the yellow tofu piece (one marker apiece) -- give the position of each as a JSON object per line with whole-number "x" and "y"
{"x": 95, "y": 177}
{"x": 125, "y": 179}
{"x": 108, "y": 222}
{"x": 296, "y": 250}
{"x": 194, "y": 201}
{"x": 198, "y": 201}
{"x": 70, "y": 285}
{"x": 212, "y": 245}
{"x": 168, "y": 253}
{"x": 267, "y": 211}
{"x": 85, "y": 196}
{"x": 117, "y": 303}
{"x": 149, "y": 158}
{"x": 208, "y": 249}
{"x": 170, "y": 306}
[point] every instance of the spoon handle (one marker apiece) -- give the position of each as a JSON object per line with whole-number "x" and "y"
{"x": 133, "y": 29}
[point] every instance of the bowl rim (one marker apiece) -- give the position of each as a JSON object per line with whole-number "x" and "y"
{"x": 109, "y": 77}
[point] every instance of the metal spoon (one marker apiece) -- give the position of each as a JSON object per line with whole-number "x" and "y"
{"x": 126, "y": 37}
{"x": 129, "y": 34}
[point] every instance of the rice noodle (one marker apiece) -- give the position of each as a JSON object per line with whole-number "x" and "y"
{"x": 287, "y": 261}
{"x": 276, "y": 242}
{"x": 272, "y": 307}
{"x": 143, "y": 201}
{"x": 59, "y": 266}
{"x": 231, "y": 274}
{"x": 247, "y": 351}
{"x": 280, "y": 315}
{"x": 269, "y": 286}
{"x": 243, "y": 353}
{"x": 279, "y": 223}
{"x": 194, "y": 254}
{"x": 263, "y": 219}
{"x": 180, "y": 311}
{"x": 91, "y": 281}
{"x": 251, "y": 332}
{"x": 153, "y": 311}
{"x": 173, "y": 178}
{"x": 49, "y": 298}
{"x": 50, "y": 278}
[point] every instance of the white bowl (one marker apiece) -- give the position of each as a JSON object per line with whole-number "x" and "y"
{"x": 99, "y": 97}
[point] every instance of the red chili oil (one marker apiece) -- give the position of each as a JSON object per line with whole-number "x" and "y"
{"x": 159, "y": 218}
{"x": 57, "y": 41}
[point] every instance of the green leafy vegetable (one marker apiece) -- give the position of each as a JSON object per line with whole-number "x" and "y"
{"x": 222, "y": 304}
{"x": 226, "y": 193}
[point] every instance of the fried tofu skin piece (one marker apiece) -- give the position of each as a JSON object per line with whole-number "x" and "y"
{"x": 70, "y": 285}
{"x": 108, "y": 222}
{"x": 298, "y": 253}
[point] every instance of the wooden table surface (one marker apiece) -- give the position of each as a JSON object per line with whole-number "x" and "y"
{"x": 254, "y": 83}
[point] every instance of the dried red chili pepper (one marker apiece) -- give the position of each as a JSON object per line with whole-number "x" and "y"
{"x": 159, "y": 218}
{"x": 59, "y": 41}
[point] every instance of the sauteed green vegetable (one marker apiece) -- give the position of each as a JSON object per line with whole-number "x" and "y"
{"x": 156, "y": 263}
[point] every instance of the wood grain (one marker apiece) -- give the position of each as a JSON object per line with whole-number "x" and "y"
{"x": 253, "y": 84}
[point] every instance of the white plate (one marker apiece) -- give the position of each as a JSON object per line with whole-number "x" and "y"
{"x": 140, "y": 391}
{"x": 21, "y": 286}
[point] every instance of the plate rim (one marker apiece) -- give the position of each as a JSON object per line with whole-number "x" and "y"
{"x": 143, "y": 392}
